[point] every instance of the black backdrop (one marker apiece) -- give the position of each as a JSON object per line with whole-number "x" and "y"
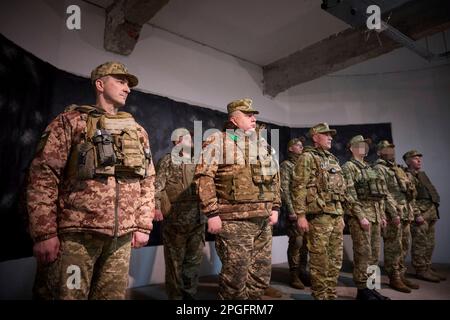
{"x": 33, "y": 92}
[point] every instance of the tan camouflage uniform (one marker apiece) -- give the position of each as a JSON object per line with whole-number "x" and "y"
{"x": 244, "y": 244}
{"x": 183, "y": 227}
{"x": 366, "y": 244}
{"x": 401, "y": 192}
{"x": 297, "y": 251}
{"x": 319, "y": 192}
{"x": 92, "y": 218}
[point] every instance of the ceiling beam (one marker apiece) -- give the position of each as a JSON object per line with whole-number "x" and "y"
{"x": 416, "y": 19}
{"x": 124, "y": 21}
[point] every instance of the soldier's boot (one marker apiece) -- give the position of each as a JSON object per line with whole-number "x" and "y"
{"x": 295, "y": 281}
{"x": 427, "y": 276}
{"x": 365, "y": 294}
{"x": 272, "y": 292}
{"x": 379, "y": 295}
{"x": 409, "y": 283}
{"x": 305, "y": 277}
{"x": 396, "y": 283}
{"x": 438, "y": 275}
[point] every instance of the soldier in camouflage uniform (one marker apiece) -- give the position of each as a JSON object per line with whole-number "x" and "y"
{"x": 365, "y": 226}
{"x": 90, "y": 194}
{"x": 398, "y": 206}
{"x": 238, "y": 187}
{"x": 297, "y": 251}
{"x": 426, "y": 215}
{"x": 184, "y": 225}
{"x": 319, "y": 192}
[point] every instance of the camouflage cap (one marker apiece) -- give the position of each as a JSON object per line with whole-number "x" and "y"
{"x": 113, "y": 68}
{"x": 384, "y": 144}
{"x": 244, "y": 105}
{"x": 357, "y": 139}
{"x": 321, "y": 128}
{"x": 411, "y": 153}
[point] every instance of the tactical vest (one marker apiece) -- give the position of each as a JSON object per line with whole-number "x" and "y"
{"x": 247, "y": 182}
{"x": 425, "y": 189}
{"x": 330, "y": 182}
{"x": 110, "y": 146}
{"x": 404, "y": 182}
{"x": 370, "y": 186}
{"x": 184, "y": 190}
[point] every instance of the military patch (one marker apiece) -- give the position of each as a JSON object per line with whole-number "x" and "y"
{"x": 42, "y": 142}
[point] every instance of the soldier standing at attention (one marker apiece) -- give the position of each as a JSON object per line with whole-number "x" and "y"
{"x": 401, "y": 193}
{"x": 365, "y": 227}
{"x": 297, "y": 252}
{"x": 426, "y": 215}
{"x": 184, "y": 226}
{"x": 239, "y": 194}
{"x": 318, "y": 190}
{"x": 90, "y": 194}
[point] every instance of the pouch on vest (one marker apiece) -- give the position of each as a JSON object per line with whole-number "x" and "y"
{"x": 86, "y": 160}
{"x": 104, "y": 145}
{"x": 130, "y": 156}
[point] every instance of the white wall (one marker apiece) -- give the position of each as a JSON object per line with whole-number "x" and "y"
{"x": 165, "y": 64}
{"x": 400, "y": 88}
{"x": 415, "y": 103}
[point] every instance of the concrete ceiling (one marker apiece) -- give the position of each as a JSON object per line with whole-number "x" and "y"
{"x": 259, "y": 31}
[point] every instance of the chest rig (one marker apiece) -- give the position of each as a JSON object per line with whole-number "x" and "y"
{"x": 109, "y": 146}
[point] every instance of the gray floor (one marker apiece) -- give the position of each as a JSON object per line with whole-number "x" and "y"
{"x": 280, "y": 275}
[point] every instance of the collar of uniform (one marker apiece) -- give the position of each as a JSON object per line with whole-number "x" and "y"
{"x": 385, "y": 163}
{"x": 364, "y": 163}
{"x": 391, "y": 163}
{"x": 413, "y": 172}
{"x": 322, "y": 152}
{"x": 293, "y": 156}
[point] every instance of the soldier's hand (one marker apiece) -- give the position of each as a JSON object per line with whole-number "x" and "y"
{"x": 396, "y": 221}
{"x": 365, "y": 224}
{"x": 46, "y": 251}
{"x": 420, "y": 220}
{"x": 158, "y": 216}
{"x": 302, "y": 224}
{"x": 273, "y": 218}
{"x": 383, "y": 223}
{"x": 139, "y": 239}
{"x": 214, "y": 225}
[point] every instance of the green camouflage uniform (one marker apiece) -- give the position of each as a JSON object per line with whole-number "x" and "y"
{"x": 366, "y": 244}
{"x": 423, "y": 235}
{"x": 183, "y": 227}
{"x": 234, "y": 187}
{"x": 319, "y": 192}
{"x": 297, "y": 251}
{"x": 401, "y": 193}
